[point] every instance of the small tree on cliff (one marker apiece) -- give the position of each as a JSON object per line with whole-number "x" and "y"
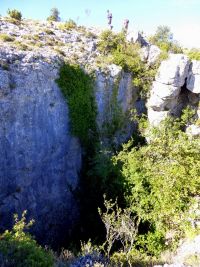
{"x": 54, "y": 15}
{"x": 163, "y": 38}
{"x": 14, "y": 14}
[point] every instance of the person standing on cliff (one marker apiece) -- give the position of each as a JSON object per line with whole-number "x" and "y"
{"x": 126, "y": 23}
{"x": 109, "y": 17}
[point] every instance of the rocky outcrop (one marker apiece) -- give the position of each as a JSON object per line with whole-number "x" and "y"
{"x": 193, "y": 81}
{"x": 40, "y": 160}
{"x": 176, "y": 85}
{"x": 150, "y": 54}
{"x": 115, "y": 97}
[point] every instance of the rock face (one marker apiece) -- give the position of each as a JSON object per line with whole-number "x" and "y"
{"x": 193, "y": 81}
{"x": 39, "y": 159}
{"x": 176, "y": 86}
{"x": 115, "y": 97}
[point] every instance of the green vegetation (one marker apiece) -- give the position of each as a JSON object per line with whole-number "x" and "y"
{"x": 161, "y": 180}
{"x": 15, "y": 14}
{"x": 19, "y": 249}
{"x": 54, "y": 15}
{"x": 77, "y": 87}
{"x": 127, "y": 56}
{"x": 68, "y": 25}
{"x": 163, "y": 38}
{"x": 6, "y": 38}
{"x": 194, "y": 54}
{"x": 21, "y": 46}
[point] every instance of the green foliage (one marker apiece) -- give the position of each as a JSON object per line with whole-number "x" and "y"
{"x": 70, "y": 24}
{"x": 162, "y": 34}
{"x": 110, "y": 41}
{"x": 6, "y": 38}
{"x": 194, "y": 54}
{"x": 120, "y": 226}
{"x": 162, "y": 38}
{"x": 54, "y": 15}
{"x": 15, "y": 14}
{"x": 19, "y": 249}
{"x": 127, "y": 56}
{"x": 135, "y": 259}
{"x": 162, "y": 179}
{"x": 77, "y": 88}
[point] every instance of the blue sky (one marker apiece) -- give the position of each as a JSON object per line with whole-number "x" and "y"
{"x": 182, "y": 16}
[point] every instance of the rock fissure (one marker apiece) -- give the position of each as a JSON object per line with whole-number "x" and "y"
{"x": 176, "y": 86}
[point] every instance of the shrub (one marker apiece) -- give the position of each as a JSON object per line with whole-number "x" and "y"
{"x": 164, "y": 40}
{"x": 54, "y": 15}
{"x": 19, "y": 249}
{"x": 162, "y": 179}
{"x": 127, "y": 55}
{"x": 194, "y": 54}
{"x": 70, "y": 24}
{"x": 15, "y": 14}
{"x": 110, "y": 41}
{"x": 120, "y": 226}
{"x": 6, "y": 38}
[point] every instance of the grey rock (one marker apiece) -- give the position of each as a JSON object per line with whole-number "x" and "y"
{"x": 193, "y": 130}
{"x": 155, "y": 117}
{"x": 193, "y": 81}
{"x": 150, "y": 54}
{"x": 114, "y": 92}
{"x": 163, "y": 96}
{"x": 176, "y": 86}
{"x": 39, "y": 159}
{"x": 174, "y": 70}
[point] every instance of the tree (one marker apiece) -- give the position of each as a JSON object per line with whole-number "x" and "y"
{"x": 163, "y": 38}
{"x": 163, "y": 34}
{"x": 54, "y": 15}
{"x": 14, "y": 14}
{"x": 162, "y": 180}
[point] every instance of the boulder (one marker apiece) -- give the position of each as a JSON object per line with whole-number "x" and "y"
{"x": 155, "y": 117}
{"x": 193, "y": 80}
{"x": 174, "y": 70}
{"x": 163, "y": 96}
{"x": 193, "y": 130}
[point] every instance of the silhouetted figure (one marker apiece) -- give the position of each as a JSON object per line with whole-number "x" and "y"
{"x": 109, "y": 17}
{"x": 126, "y": 23}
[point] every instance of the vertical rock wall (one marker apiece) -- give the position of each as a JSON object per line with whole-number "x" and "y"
{"x": 39, "y": 159}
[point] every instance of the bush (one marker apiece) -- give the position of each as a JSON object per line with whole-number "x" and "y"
{"x": 70, "y": 24}
{"x": 110, "y": 41}
{"x": 162, "y": 179}
{"x": 6, "y": 38}
{"x": 163, "y": 39}
{"x": 19, "y": 249}
{"x": 15, "y": 14}
{"x": 127, "y": 55}
{"x": 194, "y": 54}
{"x": 54, "y": 15}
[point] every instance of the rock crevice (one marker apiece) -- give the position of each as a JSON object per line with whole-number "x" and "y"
{"x": 176, "y": 86}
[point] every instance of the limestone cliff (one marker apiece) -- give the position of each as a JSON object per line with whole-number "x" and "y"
{"x": 40, "y": 160}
